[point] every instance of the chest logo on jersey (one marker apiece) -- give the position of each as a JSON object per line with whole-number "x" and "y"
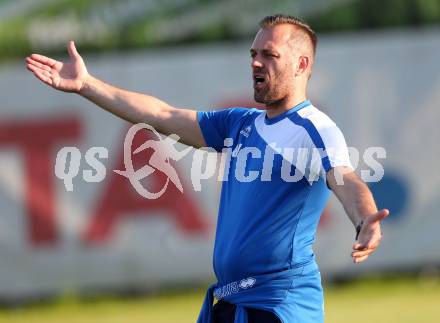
{"x": 246, "y": 131}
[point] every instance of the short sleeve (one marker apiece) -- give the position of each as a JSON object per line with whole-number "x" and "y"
{"x": 216, "y": 126}
{"x": 335, "y": 148}
{"x": 326, "y": 141}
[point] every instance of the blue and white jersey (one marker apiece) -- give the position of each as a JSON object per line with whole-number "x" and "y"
{"x": 274, "y": 187}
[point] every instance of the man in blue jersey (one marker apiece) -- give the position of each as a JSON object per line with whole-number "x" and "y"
{"x": 274, "y": 189}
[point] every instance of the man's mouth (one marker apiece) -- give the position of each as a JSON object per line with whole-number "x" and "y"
{"x": 259, "y": 81}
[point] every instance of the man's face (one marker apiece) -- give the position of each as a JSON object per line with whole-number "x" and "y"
{"x": 273, "y": 61}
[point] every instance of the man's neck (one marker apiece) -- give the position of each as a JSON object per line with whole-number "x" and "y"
{"x": 279, "y": 107}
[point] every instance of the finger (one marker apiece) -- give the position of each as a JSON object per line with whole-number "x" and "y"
{"x": 44, "y": 60}
{"x": 73, "y": 53}
{"x": 359, "y": 246}
{"x": 362, "y": 253}
{"x": 359, "y": 259}
{"x": 34, "y": 68}
{"x": 37, "y": 64}
{"x": 41, "y": 75}
{"x": 380, "y": 215}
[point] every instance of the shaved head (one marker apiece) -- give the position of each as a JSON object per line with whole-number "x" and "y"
{"x": 300, "y": 40}
{"x": 301, "y": 31}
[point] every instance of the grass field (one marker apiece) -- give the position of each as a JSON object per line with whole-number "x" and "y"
{"x": 401, "y": 300}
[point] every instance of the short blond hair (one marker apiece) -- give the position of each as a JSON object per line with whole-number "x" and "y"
{"x": 279, "y": 19}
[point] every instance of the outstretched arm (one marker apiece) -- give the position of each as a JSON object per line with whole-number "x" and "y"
{"x": 134, "y": 107}
{"x": 360, "y": 207}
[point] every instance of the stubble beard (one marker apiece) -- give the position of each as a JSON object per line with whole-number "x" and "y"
{"x": 268, "y": 95}
{"x": 260, "y": 97}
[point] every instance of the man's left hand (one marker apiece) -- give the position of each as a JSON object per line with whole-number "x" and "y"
{"x": 369, "y": 236}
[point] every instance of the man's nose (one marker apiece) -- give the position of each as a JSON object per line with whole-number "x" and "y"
{"x": 256, "y": 63}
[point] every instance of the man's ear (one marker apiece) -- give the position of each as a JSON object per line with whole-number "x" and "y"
{"x": 303, "y": 64}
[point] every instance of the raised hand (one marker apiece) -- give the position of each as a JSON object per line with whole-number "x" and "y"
{"x": 369, "y": 237}
{"x": 67, "y": 77}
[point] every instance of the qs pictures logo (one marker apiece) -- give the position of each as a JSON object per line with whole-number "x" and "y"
{"x": 69, "y": 159}
{"x": 163, "y": 151}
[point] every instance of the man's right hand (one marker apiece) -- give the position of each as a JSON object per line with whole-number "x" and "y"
{"x": 67, "y": 77}
{"x": 131, "y": 106}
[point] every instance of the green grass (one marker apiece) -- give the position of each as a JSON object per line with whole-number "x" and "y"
{"x": 373, "y": 300}
{"x": 402, "y": 300}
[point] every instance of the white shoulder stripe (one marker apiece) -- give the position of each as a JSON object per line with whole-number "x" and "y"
{"x": 284, "y": 133}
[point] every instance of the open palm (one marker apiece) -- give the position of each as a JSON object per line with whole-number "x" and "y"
{"x": 369, "y": 236}
{"x": 68, "y": 77}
